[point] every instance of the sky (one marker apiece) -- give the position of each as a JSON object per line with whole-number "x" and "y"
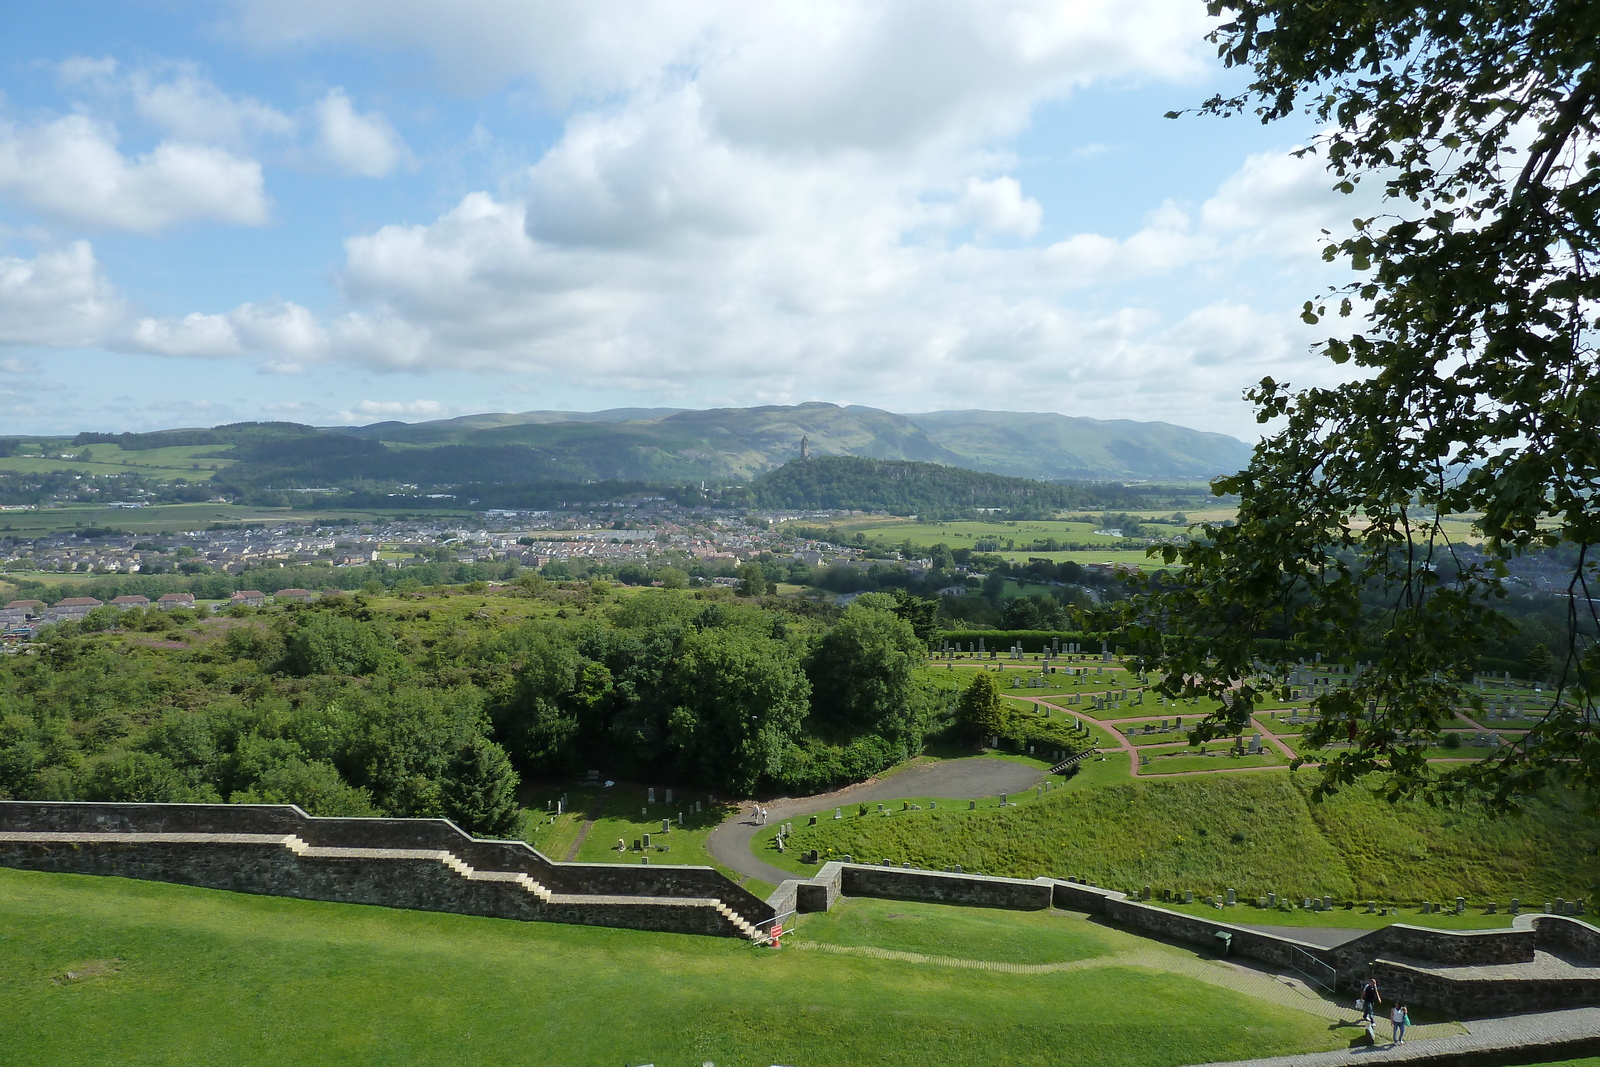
{"x": 343, "y": 211}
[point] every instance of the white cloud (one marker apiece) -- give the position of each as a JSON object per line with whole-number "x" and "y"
{"x": 363, "y": 145}
{"x": 192, "y": 109}
{"x": 59, "y": 297}
{"x": 999, "y": 207}
{"x": 284, "y": 335}
{"x": 71, "y": 169}
{"x": 395, "y": 409}
{"x": 193, "y": 335}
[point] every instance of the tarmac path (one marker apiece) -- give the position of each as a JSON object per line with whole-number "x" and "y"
{"x": 958, "y": 779}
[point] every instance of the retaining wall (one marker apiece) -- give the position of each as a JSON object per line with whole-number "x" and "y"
{"x": 1352, "y": 962}
{"x": 272, "y": 868}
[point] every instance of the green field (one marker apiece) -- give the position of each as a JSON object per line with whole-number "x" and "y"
{"x": 195, "y": 463}
{"x": 105, "y": 970}
{"x": 173, "y": 518}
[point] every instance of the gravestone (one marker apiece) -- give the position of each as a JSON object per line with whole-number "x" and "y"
{"x": 1188, "y": 896}
{"x": 669, "y": 796}
{"x": 1461, "y": 905}
{"x": 1327, "y": 903}
{"x": 645, "y": 860}
{"x": 972, "y": 805}
{"x": 650, "y": 795}
{"x": 838, "y": 813}
{"x": 1272, "y": 900}
{"x": 813, "y": 821}
{"x": 622, "y": 846}
{"x": 1516, "y": 906}
{"x": 1004, "y": 803}
{"x": 1228, "y": 897}
{"x": 646, "y": 840}
{"x": 680, "y": 818}
{"x": 666, "y": 825}
{"x": 1144, "y": 894}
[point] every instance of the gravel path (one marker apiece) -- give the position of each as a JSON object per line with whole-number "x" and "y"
{"x": 960, "y": 779}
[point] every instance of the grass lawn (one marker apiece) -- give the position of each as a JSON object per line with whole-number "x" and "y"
{"x": 964, "y": 933}
{"x": 172, "y": 975}
{"x": 1183, "y": 760}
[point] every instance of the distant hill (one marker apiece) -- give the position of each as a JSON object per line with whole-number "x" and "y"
{"x": 928, "y": 489}
{"x": 733, "y": 444}
{"x": 1046, "y": 445}
{"x": 722, "y": 447}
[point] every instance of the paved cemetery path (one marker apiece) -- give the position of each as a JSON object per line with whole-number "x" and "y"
{"x": 958, "y": 779}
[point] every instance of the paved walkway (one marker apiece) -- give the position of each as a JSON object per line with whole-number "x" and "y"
{"x": 1520, "y": 1035}
{"x": 959, "y": 779}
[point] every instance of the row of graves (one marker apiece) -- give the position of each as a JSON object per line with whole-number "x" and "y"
{"x": 980, "y": 649}
{"x": 1283, "y": 902}
{"x": 1236, "y": 749}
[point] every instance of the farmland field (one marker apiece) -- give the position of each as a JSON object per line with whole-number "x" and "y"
{"x": 195, "y": 463}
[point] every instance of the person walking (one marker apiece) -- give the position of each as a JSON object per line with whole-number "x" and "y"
{"x": 1399, "y": 1020}
{"x": 1370, "y": 999}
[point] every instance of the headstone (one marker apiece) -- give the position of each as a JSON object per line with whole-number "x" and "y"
{"x": 813, "y": 821}
{"x": 1461, "y": 905}
{"x": 838, "y": 813}
{"x": 1004, "y": 803}
{"x": 680, "y": 818}
{"x": 1188, "y": 896}
{"x": 1229, "y": 897}
{"x": 669, "y": 796}
{"x": 972, "y": 805}
{"x": 666, "y": 825}
{"x": 1272, "y": 900}
{"x": 645, "y": 860}
{"x": 1516, "y": 906}
{"x": 1327, "y": 903}
{"x": 1144, "y": 894}
{"x": 650, "y": 796}
{"x": 646, "y": 840}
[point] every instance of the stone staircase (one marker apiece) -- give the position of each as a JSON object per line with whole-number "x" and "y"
{"x": 186, "y": 857}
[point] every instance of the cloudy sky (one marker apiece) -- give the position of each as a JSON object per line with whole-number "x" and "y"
{"x": 350, "y": 210}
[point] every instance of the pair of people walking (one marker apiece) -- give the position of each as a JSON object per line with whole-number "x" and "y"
{"x": 1368, "y": 1006}
{"x": 759, "y": 815}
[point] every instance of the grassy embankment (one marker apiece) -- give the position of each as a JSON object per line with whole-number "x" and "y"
{"x": 1256, "y": 833}
{"x": 105, "y": 970}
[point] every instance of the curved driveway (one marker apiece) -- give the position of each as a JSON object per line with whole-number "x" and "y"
{"x": 960, "y": 779}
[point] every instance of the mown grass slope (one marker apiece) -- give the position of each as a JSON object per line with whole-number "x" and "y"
{"x": 1256, "y": 833}
{"x": 104, "y": 970}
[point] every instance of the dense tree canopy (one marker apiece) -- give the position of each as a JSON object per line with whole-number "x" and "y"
{"x": 1470, "y": 330}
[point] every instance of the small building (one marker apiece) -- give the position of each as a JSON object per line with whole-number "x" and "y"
{"x": 75, "y": 607}
{"x": 303, "y": 596}
{"x": 133, "y": 600}
{"x": 27, "y": 607}
{"x": 250, "y": 598}
{"x": 169, "y": 601}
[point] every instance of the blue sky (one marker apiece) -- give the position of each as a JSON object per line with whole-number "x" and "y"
{"x": 349, "y": 210}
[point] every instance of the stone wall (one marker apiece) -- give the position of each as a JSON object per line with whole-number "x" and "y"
{"x": 898, "y": 883}
{"x": 1403, "y": 983}
{"x": 271, "y": 868}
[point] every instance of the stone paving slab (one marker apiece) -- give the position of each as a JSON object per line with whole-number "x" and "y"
{"x": 1535, "y": 1038}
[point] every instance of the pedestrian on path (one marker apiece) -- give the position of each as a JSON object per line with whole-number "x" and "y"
{"x": 1399, "y": 1020}
{"x": 1369, "y": 1000}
